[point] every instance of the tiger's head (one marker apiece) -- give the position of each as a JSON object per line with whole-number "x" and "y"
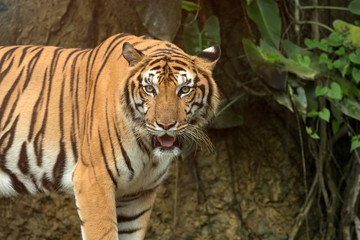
{"x": 171, "y": 96}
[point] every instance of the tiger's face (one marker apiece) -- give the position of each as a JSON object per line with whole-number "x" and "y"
{"x": 172, "y": 96}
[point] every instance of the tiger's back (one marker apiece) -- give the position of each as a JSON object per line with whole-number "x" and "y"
{"x": 42, "y": 97}
{"x": 102, "y": 123}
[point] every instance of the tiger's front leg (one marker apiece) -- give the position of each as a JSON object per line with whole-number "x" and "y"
{"x": 95, "y": 200}
{"x": 133, "y": 214}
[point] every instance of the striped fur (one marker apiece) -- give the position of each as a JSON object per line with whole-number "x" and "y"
{"x": 103, "y": 124}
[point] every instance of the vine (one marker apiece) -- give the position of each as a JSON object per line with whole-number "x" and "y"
{"x": 320, "y": 82}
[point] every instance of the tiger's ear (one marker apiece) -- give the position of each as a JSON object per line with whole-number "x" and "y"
{"x": 132, "y": 55}
{"x": 208, "y": 57}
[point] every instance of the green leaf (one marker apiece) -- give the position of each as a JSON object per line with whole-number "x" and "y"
{"x": 320, "y": 91}
{"x": 354, "y": 7}
{"x": 300, "y": 100}
{"x": 189, "y": 6}
{"x": 324, "y": 45}
{"x": 287, "y": 64}
{"x": 325, "y": 114}
{"x": 334, "y": 91}
{"x": 352, "y": 31}
{"x": 350, "y": 107}
{"x": 309, "y": 131}
{"x": 335, "y": 39}
{"x": 348, "y": 87}
{"x": 265, "y": 13}
{"x": 272, "y": 75}
{"x": 283, "y": 99}
{"x": 191, "y": 35}
{"x": 292, "y": 50}
{"x": 311, "y": 43}
{"x": 312, "y": 114}
{"x": 340, "y": 51}
{"x": 211, "y": 33}
{"x": 343, "y": 64}
{"x": 194, "y": 40}
{"x": 356, "y": 74}
{"x": 355, "y": 143}
{"x": 324, "y": 59}
{"x": 355, "y": 58}
{"x": 305, "y": 61}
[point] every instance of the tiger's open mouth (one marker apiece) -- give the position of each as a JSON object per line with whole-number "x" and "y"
{"x": 166, "y": 142}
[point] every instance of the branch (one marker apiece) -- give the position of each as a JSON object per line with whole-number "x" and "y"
{"x": 304, "y": 209}
{"x": 348, "y": 210}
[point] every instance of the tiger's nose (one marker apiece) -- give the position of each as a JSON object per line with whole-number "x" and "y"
{"x": 166, "y": 126}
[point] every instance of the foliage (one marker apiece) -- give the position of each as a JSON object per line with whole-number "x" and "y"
{"x": 196, "y": 40}
{"x": 332, "y": 64}
{"x": 261, "y": 11}
{"x": 321, "y": 83}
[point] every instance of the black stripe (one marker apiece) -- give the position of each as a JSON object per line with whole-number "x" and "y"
{"x": 109, "y": 135}
{"x": 127, "y": 98}
{"x": 167, "y": 51}
{"x": 69, "y": 55}
{"x": 17, "y": 184}
{"x": 61, "y": 109}
{"x": 141, "y": 145}
{"x": 155, "y": 61}
{"x": 199, "y": 105}
{"x": 9, "y": 136}
{"x": 210, "y": 93}
{"x": 5, "y": 72}
{"x": 149, "y": 47}
{"x": 114, "y": 40}
{"x": 47, "y": 184}
{"x": 35, "y": 48}
{"x": 88, "y": 72}
{"x": 5, "y": 57}
{"x": 129, "y": 231}
{"x": 178, "y": 68}
{"x": 35, "y": 108}
{"x": 125, "y": 156}
{"x": 72, "y": 72}
{"x": 23, "y": 54}
{"x": 23, "y": 163}
{"x": 123, "y": 218}
{"x": 31, "y": 66}
{"x": 12, "y": 110}
{"x": 8, "y": 95}
{"x": 105, "y": 160}
{"x": 181, "y": 62}
{"x": 59, "y": 167}
{"x": 35, "y": 184}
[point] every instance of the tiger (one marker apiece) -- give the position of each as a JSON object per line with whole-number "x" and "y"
{"x": 103, "y": 124}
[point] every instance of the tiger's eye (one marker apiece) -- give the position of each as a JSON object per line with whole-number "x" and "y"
{"x": 149, "y": 89}
{"x": 185, "y": 89}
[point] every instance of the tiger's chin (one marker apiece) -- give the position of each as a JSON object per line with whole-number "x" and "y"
{"x": 166, "y": 146}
